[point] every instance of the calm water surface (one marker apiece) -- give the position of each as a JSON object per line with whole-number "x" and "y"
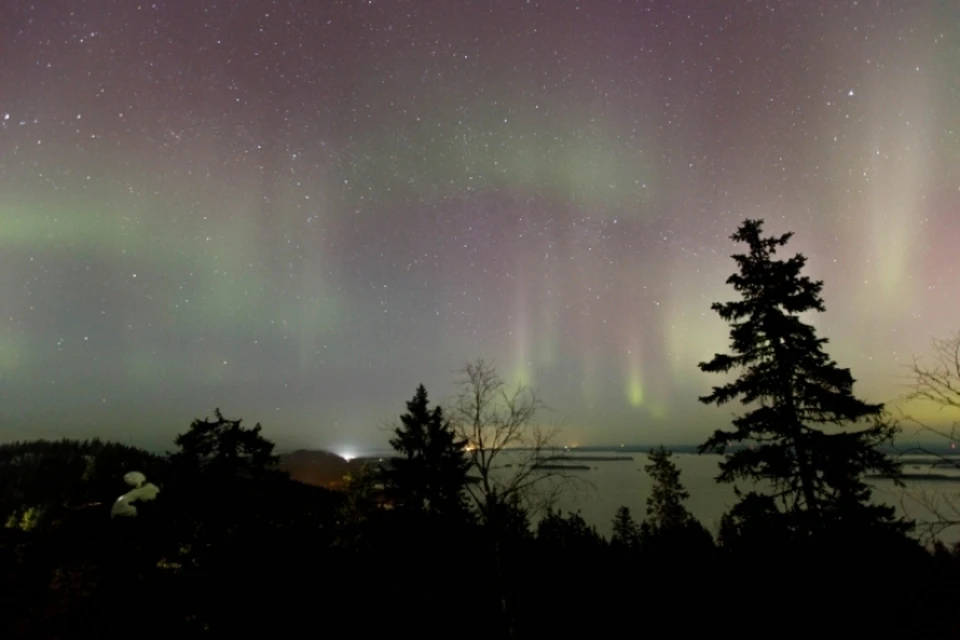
{"x": 609, "y": 484}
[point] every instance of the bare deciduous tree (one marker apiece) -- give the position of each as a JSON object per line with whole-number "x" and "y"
{"x": 510, "y": 454}
{"x": 935, "y": 380}
{"x": 938, "y": 382}
{"x": 509, "y": 450}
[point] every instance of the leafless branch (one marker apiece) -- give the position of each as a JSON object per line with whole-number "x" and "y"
{"x": 938, "y": 381}
{"x": 506, "y": 444}
{"x": 935, "y": 380}
{"x": 941, "y": 512}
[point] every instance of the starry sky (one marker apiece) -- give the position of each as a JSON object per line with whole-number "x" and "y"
{"x": 298, "y": 210}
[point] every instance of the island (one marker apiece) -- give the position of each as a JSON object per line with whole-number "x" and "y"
{"x": 561, "y": 467}
{"x": 589, "y": 458}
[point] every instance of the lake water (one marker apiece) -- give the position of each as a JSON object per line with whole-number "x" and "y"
{"x": 609, "y": 484}
{"x": 612, "y": 484}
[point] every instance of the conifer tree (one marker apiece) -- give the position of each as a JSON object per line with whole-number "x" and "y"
{"x": 430, "y": 474}
{"x": 806, "y": 440}
{"x": 669, "y": 530}
{"x": 665, "y": 508}
{"x": 626, "y": 532}
{"x": 226, "y": 449}
{"x": 567, "y": 532}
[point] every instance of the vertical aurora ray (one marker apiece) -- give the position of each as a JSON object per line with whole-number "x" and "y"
{"x": 630, "y": 328}
{"x": 584, "y": 321}
{"x": 319, "y": 315}
{"x": 882, "y": 179}
{"x": 548, "y": 299}
{"x": 898, "y": 169}
{"x": 521, "y": 372}
{"x": 635, "y": 389}
{"x": 548, "y": 330}
{"x": 11, "y": 354}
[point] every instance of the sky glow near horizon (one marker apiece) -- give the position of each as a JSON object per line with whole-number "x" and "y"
{"x": 297, "y": 211}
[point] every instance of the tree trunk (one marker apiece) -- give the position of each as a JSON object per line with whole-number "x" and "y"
{"x": 807, "y": 481}
{"x": 493, "y": 528}
{"x": 502, "y": 588}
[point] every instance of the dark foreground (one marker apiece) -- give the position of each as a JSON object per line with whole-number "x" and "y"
{"x": 234, "y": 548}
{"x": 287, "y": 560}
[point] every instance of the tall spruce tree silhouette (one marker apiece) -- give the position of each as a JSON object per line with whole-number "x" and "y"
{"x": 430, "y": 474}
{"x": 797, "y": 441}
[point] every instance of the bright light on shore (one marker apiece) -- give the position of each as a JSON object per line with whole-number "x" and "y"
{"x": 348, "y": 455}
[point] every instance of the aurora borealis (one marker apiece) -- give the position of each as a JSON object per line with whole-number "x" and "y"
{"x": 297, "y": 211}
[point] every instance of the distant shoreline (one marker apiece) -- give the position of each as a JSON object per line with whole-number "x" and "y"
{"x": 930, "y": 451}
{"x": 936, "y": 477}
{"x": 561, "y": 467}
{"x": 568, "y": 458}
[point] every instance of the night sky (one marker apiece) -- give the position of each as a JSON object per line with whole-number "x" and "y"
{"x": 297, "y": 211}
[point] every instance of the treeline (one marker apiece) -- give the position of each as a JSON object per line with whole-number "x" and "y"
{"x": 456, "y": 536}
{"x": 231, "y": 545}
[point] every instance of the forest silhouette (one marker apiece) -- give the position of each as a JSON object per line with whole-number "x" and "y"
{"x": 457, "y": 536}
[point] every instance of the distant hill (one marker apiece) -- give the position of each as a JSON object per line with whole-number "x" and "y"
{"x": 320, "y": 468}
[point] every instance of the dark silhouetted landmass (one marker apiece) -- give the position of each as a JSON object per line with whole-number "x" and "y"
{"x": 932, "y": 462}
{"x": 935, "y": 477}
{"x": 320, "y": 468}
{"x": 561, "y": 467}
{"x": 589, "y": 458}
